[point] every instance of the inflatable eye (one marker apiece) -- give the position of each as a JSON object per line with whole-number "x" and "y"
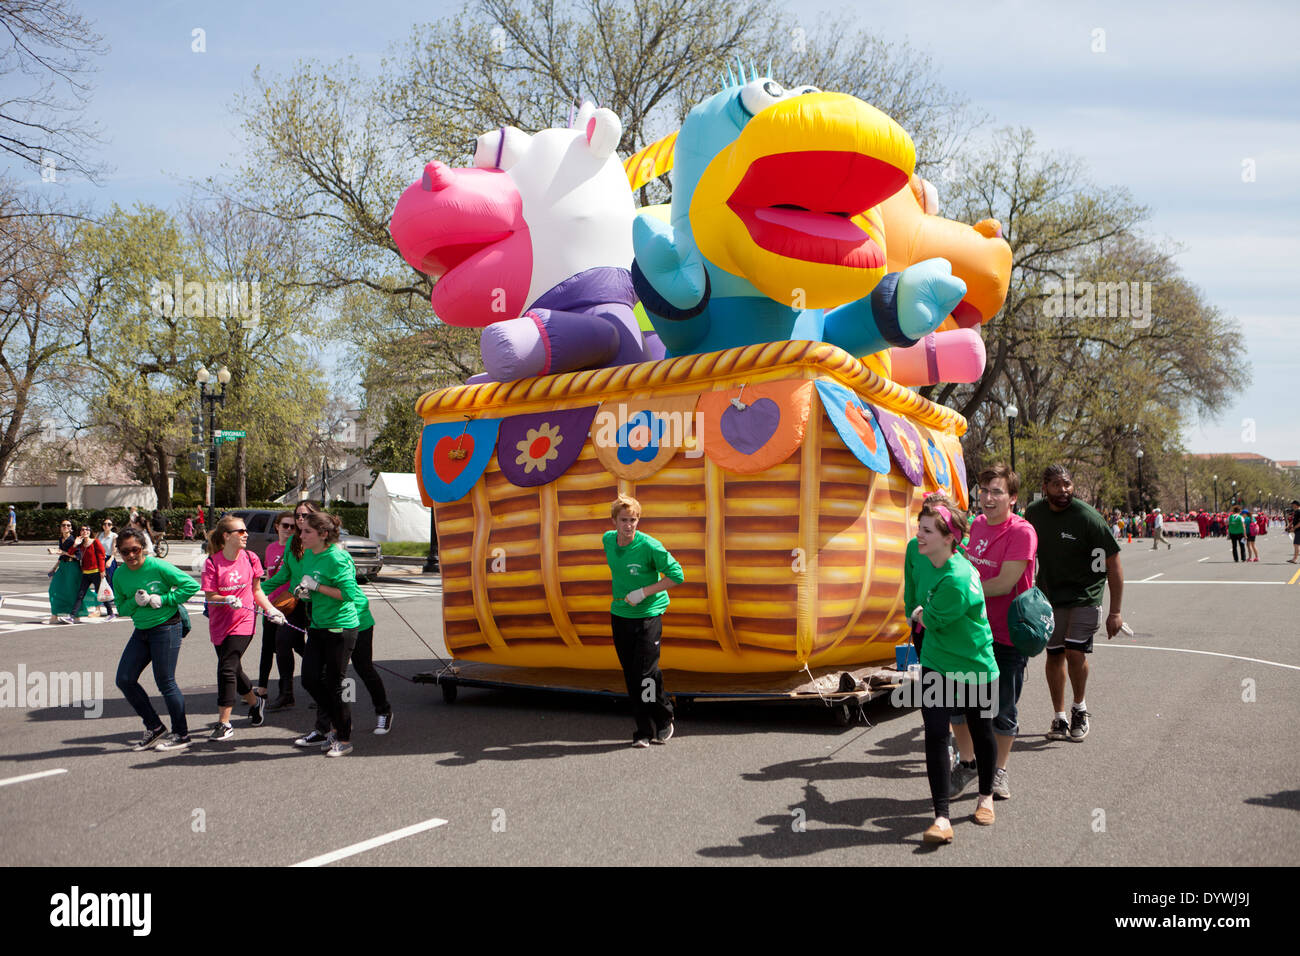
{"x": 759, "y": 95}
{"x": 804, "y": 90}
{"x": 501, "y": 148}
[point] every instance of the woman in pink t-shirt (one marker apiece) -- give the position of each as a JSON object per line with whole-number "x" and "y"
{"x": 231, "y": 580}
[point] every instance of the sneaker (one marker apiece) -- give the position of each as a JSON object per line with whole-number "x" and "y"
{"x": 281, "y": 703}
{"x": 113, "y": 616}
{"x": 313, "y": 739}
{"x": 150, "y": 738}
{"x": 338, "y": 748}
{"x": 664, "y": 735}
{"x": 641, "y": 742}
{"x": 257, "y": 713}
{"x": 938, "y": 834}
{"x": 962, "y": 775}
{"x": 1000, "y": 789}
{"x": 330, "y": 741}
{"x": 1060, "y": 730}
{"x": 1078, "y": 725}
{"x": 222, "y": 732}
{"x": 174, "y": 742}
{"x": 384, "y": 723}
{"x": 66, "y": 619}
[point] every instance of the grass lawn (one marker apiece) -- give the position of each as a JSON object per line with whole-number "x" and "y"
{"x": 410, "y": 549}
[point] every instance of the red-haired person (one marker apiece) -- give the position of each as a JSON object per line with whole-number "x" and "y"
{"x": 958, "y": 670}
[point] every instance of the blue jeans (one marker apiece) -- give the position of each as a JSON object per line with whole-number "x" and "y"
{"x": 160, "y": 645}
{"x": 1011, "y": 681}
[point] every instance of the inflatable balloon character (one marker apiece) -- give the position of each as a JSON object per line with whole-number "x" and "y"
{"x": 776, "y": 232}
{"x": 775, "y": 456}
{"x": 980, "y": 257}
{"x": 532, "y": 245}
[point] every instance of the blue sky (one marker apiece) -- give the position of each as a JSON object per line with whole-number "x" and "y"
{"x": 1178, "y": 99}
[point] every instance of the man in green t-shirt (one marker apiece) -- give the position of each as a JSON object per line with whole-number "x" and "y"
{"x": 1077, "y": 558}
{"x": 636, "y": 562}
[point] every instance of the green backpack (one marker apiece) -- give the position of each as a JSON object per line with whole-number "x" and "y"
{"x": 1031, "y": 622}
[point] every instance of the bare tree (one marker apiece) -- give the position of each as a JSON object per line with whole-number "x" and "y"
{"x": 45, "y": 70}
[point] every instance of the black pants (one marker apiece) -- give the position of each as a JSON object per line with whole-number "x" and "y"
{"x": 363, "y": 661}
{"x": 937, "y": 765}
{"x": 90, "y": 582}
{"x": 324, "y": 663}
{"x": 281, "y": 643}
{"x": 636, "y": 641}
{"x": 1237, "y": 540}
{"x": 232, "y": 682}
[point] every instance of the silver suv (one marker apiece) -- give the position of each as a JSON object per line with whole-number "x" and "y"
{"x": 367, "y": 555}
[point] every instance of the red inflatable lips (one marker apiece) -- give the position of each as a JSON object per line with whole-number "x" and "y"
{"x": 800, "y": 205}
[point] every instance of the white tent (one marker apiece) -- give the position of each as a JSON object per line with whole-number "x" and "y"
{"x": 396, "y": 513}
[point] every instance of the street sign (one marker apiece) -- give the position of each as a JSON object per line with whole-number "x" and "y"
{"x": 229, "y": 435}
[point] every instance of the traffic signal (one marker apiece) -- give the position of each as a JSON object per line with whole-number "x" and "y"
{"x": 196, "y": 461}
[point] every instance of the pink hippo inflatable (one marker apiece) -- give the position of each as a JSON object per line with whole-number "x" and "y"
{"x": 533, "y": 245}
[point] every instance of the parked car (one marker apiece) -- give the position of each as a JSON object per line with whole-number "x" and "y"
{"x": 367, "y": 555}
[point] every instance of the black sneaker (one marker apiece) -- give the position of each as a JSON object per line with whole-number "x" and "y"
{"x": 173, "y": 742}
{"x": 1078, "y": 724}
{"x": 664, "y": 735}
{"x": 281, "y": 703}
{"x": 962, "y": 775}
{"x": 222, "y": 732}
{"x": 384, "y": 723}
{"x": 1060, "y": 730}
{"x": 257, "y": 713}
{"x": 313, "y": 739}
{"x": 150, "y": 738}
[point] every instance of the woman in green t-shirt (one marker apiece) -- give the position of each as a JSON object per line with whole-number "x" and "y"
{"x": 958, "y": 671}
{"x": 329, "y": 581}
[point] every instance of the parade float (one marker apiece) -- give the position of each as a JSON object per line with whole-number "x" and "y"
{"x": 739, "y": 361}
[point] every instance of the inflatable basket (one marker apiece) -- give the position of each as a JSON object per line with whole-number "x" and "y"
{"x": 783, "y": 477}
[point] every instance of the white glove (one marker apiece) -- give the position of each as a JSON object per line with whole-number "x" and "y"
{"x": 301, "y": 593}
{"x": 916, "y": 612}
{"x": 276, "y": 616}
{"x": 233, "y": 601}
{"x": 142, "y": 597}
{"x": 308, "y": 582}
{"x": 635, "y": 597}
{"x": 155, "y": 601}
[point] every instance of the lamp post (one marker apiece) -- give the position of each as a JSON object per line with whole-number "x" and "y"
{"x": 210, "y": 398}
{"x": 1234, "y": 491}
{"x": 1216, "y": 494}
{"x": 1186, "y": 505}
{"x": 1012, "y": 412}
{"x": 1140, "y": 496}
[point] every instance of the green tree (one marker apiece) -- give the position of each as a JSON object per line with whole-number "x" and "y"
{"x": 393, "y": 449}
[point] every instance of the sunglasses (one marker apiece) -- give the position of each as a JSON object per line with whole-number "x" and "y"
{"x": 127, "y": 552}
{"x": 287, "y": 525}
{"x": 239, "y": 531}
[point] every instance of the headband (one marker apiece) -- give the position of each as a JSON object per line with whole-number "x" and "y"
{"x": 947, "y": 516}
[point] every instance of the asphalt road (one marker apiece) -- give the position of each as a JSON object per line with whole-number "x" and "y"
{"x": 1190, "y": 760}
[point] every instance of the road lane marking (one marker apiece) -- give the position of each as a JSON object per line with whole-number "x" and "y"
{"x": 1206, "y": 558}
{"x": 1185, "y": 650}
{"x": 1152, "y": 578}
{"x": 1295, "y": 577}
{"x": 30, "y": 776}
{"x": 327, "y": 858}
{"x": 1234, "y": 583}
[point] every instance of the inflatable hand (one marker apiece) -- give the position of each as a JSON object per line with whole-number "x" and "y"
{"x": 927, "y": 292}
{"x": 679, "y": 279}
{"x": 546, "y": 341}
{"x": 956, "y": 355}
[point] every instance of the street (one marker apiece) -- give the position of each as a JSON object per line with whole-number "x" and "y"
{"x": 1188, "y": 762}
